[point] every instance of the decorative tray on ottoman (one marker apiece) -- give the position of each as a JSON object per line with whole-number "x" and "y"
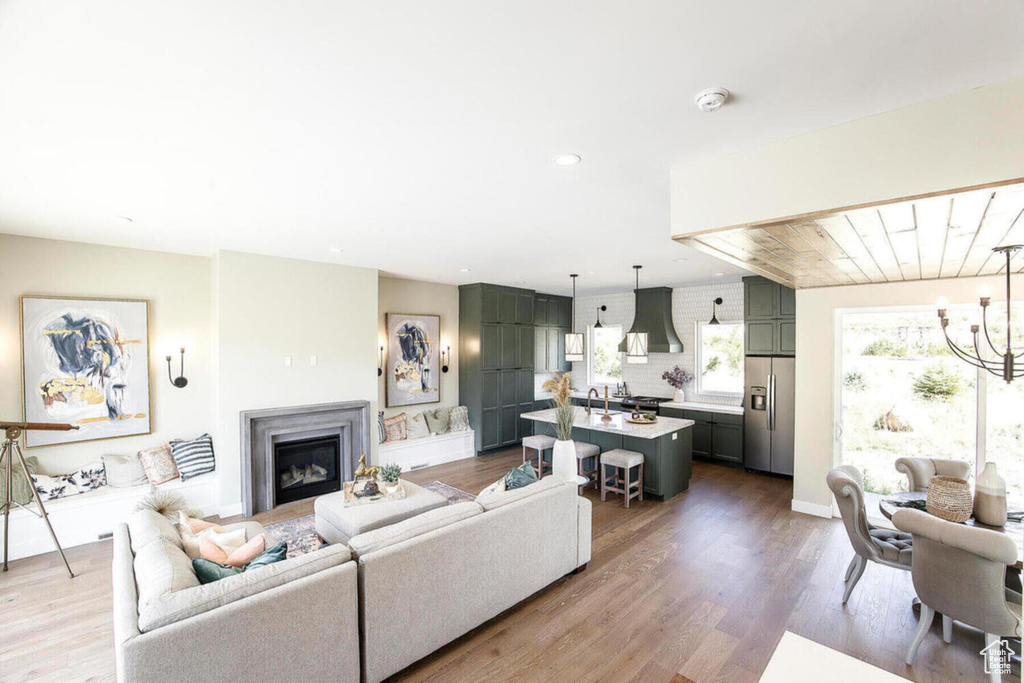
{"x": 356, "y": 493}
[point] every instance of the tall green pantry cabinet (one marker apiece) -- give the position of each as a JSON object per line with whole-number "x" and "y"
{"x": 496, "y": 361}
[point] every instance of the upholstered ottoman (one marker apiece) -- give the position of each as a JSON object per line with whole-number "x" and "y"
{"x": 337, "y": 524}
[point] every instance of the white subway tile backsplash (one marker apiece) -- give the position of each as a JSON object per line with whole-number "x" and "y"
{"x": 689, "y": 305}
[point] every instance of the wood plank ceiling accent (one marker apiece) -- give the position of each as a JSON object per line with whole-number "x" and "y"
{"x": 940, "y": 235}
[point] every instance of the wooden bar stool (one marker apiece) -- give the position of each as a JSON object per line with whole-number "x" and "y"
{"x": 622, "y": 461}
{"x": 585, "y": 451}
{"x": 539, "y": 443}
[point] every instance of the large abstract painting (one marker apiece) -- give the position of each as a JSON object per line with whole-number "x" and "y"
{"x": 414, "y": 352}
{"x": 85, "y": 362}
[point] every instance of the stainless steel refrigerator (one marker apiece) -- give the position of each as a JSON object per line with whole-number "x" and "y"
{"x": 768, "y": 416}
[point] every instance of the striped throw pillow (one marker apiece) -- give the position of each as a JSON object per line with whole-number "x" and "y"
{"x": 193, "y": 457}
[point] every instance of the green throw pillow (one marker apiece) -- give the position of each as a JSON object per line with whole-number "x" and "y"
{"x": 519, "y": 477}
{"x": 437, "y": 420}
{"x": 208, "y": 571}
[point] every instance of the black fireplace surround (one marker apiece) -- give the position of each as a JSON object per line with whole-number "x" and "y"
{"x": 305, "y": 468}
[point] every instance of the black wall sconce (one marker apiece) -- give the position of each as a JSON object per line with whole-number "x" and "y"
{"x": 714, "y": 310}
{"x": 180, "y": 381}
{"x": 380, "y": 361}
{"x": 446, "y": 358}
{"x": 598, "y": 324}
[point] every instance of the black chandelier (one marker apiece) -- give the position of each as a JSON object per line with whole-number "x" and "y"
{"x": 1003, "y": 366}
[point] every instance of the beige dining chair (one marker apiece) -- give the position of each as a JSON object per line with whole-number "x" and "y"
{"x": 960, "y": 572}
{"x": 920, "y": 471}
{"x": 889, "y": 548}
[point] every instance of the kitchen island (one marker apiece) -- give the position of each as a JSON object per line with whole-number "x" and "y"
{"x": 667, "y": 444}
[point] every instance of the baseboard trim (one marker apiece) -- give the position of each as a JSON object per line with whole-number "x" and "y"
{"x": 231, "y": 510}
{"x": 814, "y": 509}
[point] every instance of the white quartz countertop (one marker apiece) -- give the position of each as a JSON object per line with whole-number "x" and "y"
{"x": 685, "y": 405}
{"x": 617, "y": 424}
{"x": 707, "y": 407}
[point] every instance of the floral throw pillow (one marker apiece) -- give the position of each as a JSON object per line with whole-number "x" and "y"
{"x": 52, "y": 487}
{"x": 459, "y": 419}
{"x": 395, "y": 428}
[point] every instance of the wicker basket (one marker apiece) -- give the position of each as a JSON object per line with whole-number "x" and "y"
{"x": 950, "y": 499}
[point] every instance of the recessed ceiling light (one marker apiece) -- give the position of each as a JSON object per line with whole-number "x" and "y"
{"x": 463, "y": 270}
{"x": 719, "y": 274}
{"x": 711, "y": 100}
{"x": 568, "y": 159}
{"x": 679, "y": 260}
{"x": 590, "y": 272}
{"x": 335, "y": 250}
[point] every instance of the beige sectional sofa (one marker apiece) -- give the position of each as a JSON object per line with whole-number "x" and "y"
{"x": 344, "y": 613}
{"x": 269, "y": 624}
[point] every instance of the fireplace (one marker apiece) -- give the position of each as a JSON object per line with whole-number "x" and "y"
{"x": 305, "y": 468}
{"x": 301, "y": 451}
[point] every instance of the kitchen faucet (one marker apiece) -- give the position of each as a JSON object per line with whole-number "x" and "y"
{"x": 597, "y": 395}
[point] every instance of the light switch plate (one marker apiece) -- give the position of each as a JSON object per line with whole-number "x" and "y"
{"x": 287, "y": 361}
{"x": 312, "y": 361}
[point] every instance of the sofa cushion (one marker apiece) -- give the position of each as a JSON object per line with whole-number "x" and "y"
{"x": 175, "y": 606}
{"x": 498, "y": 499}
{"x": 145, "y": 526}
{"x": 375, "y": 540}
{"x": 162, "y": 568}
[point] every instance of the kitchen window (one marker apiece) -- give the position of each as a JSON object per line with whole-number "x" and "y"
{"x": 720, "y": 359}
{"x": 604, "y": 361}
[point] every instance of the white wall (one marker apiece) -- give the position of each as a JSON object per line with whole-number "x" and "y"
{"x": 268, "y": 308}
{"x": 398, "y": 295}
{"x": 689, "y": 306}
{"x": 816, "y": 366}
{"x": 952, "y": 142}
{"x": 178, "y": 289}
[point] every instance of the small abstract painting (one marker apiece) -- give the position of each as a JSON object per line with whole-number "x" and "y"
{"x": 414, "y": 353}
{"x": 85, "y": 362}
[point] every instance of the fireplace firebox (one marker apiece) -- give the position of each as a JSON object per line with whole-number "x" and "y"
{"x": 306, "y": 467}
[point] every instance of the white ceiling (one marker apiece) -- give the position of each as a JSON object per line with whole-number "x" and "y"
{"x": 418, "y": 136}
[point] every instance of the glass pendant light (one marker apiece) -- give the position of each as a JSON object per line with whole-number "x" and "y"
{"x": 573, "y": 339}
{"x": 636, "y": 342}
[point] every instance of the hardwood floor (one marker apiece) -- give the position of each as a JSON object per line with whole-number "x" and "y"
{"x": 697, "y": 589}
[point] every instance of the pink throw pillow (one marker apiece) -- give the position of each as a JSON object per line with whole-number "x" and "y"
{"x": 252, "y": 549}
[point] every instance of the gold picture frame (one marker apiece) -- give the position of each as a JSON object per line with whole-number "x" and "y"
{"x": 69, "y": 367}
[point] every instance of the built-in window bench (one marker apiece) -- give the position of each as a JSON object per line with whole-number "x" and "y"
{"x": 412, "y": 454}
{"x": 91, "y": 516}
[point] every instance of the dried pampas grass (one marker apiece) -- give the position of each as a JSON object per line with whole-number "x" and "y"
{"x": 167, "y": 503}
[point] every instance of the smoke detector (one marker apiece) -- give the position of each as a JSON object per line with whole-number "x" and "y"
{"x": 711, "y": 99}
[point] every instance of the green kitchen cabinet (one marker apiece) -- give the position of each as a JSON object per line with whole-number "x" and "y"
{"x": 509, "y": 346}
{"x": 718, "y": 436}
{"x": 769, "y": 317}
{"x": 540, "y": 310}
{"x": 497, "y": 358}
{"x": 761, "y": 337}
{"x": 727, "y": 442}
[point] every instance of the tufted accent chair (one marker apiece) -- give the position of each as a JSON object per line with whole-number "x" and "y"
{"x": 889, "y": 548}
{"x": 960, "y": 572}
{"x": 920, "y": 471}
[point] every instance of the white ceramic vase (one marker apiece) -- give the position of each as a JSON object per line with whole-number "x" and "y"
{"x": 563, "y": 460}
{"x": 678, "y": 397}
{"x": 990, "y": 497}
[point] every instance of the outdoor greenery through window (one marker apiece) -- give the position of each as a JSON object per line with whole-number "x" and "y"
{"x": 605, "y": 361}
{"x": 904, "y": 394}
{"x": 720, "y": 358}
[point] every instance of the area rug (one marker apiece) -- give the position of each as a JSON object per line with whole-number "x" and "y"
{"x": 300, "y": 533}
